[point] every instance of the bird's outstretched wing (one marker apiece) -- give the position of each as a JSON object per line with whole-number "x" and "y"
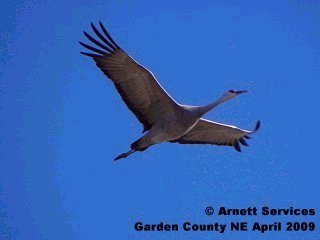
{"x": 208, "y": 132}
{"x": 137, "y": 86}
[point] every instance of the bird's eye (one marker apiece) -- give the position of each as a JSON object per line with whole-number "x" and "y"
{"x": 231, "y": 91}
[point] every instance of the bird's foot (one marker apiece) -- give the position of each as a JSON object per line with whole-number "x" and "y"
{"x": 124, "y": 155}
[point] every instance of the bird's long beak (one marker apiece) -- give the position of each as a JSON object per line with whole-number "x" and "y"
{"x": 240, "y": 92}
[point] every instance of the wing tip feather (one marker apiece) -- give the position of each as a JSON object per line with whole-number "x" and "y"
{"x": 110, "y": 46}
{"x": 91, "y": 55}
{"x": 104, "y": 30}
{"x": 243, "y": 142}
{"x": 237, "y": 146}
{"x": 258, "y": 124}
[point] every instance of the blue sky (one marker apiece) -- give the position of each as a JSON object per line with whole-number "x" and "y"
{"x": 62, "y": 122}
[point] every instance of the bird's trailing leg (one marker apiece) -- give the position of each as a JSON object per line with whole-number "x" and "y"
{"x": 124, "y": 155}
{"x": 140, "y": 145}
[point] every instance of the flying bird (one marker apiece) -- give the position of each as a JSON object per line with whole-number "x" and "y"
{"x": 163, "y": 119}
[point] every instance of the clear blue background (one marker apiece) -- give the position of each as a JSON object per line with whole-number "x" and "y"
{"x": 62, "y": 122}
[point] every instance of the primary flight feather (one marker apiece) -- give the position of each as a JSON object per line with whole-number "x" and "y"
{"x": 163, "y": 119}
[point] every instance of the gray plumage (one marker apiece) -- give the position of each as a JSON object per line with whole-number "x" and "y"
{"x": 163, "y": 119}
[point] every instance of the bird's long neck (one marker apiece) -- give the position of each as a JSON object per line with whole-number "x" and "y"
{"x": 202, "y": 110}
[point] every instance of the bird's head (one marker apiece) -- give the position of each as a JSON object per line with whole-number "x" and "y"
{"x": 231, "y": 94}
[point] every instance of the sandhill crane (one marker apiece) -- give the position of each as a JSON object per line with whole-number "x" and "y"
{"x": 163, "y": 119}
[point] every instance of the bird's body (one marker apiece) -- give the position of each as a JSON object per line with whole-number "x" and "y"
{"x": 172, "y": 126}
{"x": 163, "y": 119}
